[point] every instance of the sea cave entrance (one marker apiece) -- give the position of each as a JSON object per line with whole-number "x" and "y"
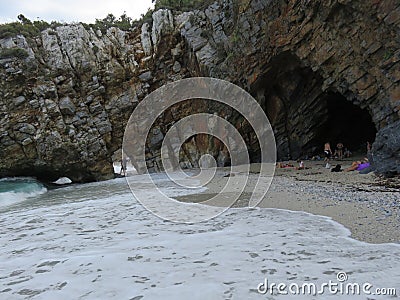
{"x": 304, "y": 116}
{"x": 346, "y": 123}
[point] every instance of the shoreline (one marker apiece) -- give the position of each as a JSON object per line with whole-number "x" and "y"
{"x": 358, "y": 202}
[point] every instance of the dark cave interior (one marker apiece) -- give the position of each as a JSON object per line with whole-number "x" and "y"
{"x": 348, "y": 124}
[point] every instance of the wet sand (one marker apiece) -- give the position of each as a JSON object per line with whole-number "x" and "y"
{"x": 361, "y": 203}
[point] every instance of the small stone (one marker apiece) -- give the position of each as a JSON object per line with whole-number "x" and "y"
{"x": 146, "y": 76}
{"x": 27, "y": 142}
{"x": 388, "y": 213}
{"x": 34, "y": 103}
{"x": 19, "y": 100}
{"x": 67, "y": 107}
{"x": 27, "y": 128}
{"x": 177, "y": 67}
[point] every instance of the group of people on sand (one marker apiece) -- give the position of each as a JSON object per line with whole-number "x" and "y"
{"x": 341, "y": 152}
{"x": 355, "y": 166}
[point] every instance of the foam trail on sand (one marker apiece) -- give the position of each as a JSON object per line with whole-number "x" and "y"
{"x": 95, "y": 241}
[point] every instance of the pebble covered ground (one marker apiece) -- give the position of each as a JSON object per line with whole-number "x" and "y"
{"x": 367, "y": 192}
{"x": 368, "y": 205}
{"x": 384, "y": 199}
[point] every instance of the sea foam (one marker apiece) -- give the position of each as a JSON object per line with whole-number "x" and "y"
{"x": 105, "y": 245}
{"x": 19, "y": 189}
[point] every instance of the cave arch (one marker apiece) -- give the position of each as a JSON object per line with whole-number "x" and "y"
{"x": 303, "y": 115}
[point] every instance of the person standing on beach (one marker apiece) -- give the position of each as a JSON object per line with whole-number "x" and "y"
{"x": 328, "y": 154}
{"x": 123, "y": 166}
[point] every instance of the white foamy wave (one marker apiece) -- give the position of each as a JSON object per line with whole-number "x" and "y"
{"x": 10, "y": 198}
{"x": 16, "y": 190}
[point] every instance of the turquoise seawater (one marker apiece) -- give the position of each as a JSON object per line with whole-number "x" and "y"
{"x": 14, "y": 190}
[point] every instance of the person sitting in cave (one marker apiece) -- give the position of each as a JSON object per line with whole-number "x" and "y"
{"x": 347, "y": 153}
{"x": 328, "y": 154}
{"x": 358, "y": 165}
{"x": 339, "y": 151}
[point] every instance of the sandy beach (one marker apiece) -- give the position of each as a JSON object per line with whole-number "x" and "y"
{"x": 366, "y": 204}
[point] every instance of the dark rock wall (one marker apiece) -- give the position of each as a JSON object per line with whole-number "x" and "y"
{"x": 63, "y": 109}
{"x": 293, "y": 54}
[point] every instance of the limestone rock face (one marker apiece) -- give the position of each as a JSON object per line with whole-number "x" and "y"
{"x": 64, "y": 106}
{"x": 163, "y": 23}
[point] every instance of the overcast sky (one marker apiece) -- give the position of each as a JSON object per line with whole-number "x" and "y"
{"x": 71, "y": 10}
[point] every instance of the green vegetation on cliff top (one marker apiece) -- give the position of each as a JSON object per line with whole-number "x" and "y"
{"x": 13, "y": 52}
{"x": 25, "y": 27}
{"x": 29, "y": 28}
{"x": 182, "y": 5}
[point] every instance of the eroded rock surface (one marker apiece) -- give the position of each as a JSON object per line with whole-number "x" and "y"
{"x": 64, "y": 107}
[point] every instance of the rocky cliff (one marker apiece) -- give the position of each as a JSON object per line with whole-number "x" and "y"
{"x": 322, "y": 70}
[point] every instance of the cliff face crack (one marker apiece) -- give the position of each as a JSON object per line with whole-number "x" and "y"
{"x": 67, "y": 56}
